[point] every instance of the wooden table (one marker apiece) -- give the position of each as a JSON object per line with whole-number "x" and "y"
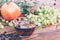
{"x": 48, "y": 35}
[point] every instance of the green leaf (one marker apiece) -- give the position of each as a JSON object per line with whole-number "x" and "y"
{"x": 25, "y": 11}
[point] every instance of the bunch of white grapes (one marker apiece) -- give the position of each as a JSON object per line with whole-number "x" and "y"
{"x": 45, "y": 16}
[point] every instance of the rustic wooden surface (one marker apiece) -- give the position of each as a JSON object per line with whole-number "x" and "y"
{"x": 55, "y": 35}
{"x": 46, "y": 36}
{"x": 49, "y": 33}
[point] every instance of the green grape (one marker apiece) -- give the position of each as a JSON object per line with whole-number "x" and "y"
{"x": 25, "y": 18}
{"x": 42, "y": 18}
{"x": 48, "y": 21}
{"x": 7, "y": 21}
{"x": 41, "y": 15}
{"x": 39, "y": 10}
{"x": 45, "y": 12}
{"x": 39, "y": 20}
{"x": 44, "y": 21}
{"x": 59, "y": 16}
{"x": 52, "y": 21}
{"x": 0, "y": 23}
{"x": 46, "y": 15}
{"x": 1, "y": 26}
{"x": 3, "y": 20}
{"x": 38, "y": 23}
{"x": 10, "y": 24}
{"x": 29, "y": 16}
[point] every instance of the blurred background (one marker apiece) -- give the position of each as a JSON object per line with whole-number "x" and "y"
{"x": 35, "y": 3}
